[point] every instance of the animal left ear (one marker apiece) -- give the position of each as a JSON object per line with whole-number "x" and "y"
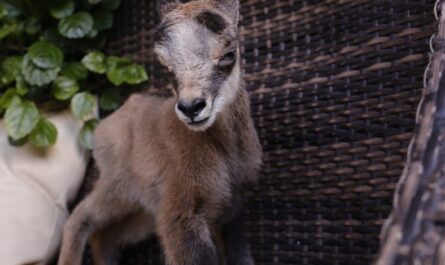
{"x": 231, "y": 7}
{"x": 165, "y": 6}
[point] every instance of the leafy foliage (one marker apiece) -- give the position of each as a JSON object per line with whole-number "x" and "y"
{"x": 86, "y": 133}
{"x": 76, "y": 26}
{"x": 35, "y": 75}
{"x": 83, "y": 105}
{"x": 20, "y": 118}
{"x": 50, "y": 53}
{"x": 62, "y": 9}
{"x": 44, "y": 134}
{"x": 45, "y": 55}
{"x": 64, "y": 88}
{"x": 75, "y": 70}
{"x": 95, "y": 62}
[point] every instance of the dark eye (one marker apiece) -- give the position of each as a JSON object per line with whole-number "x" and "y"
{"x": 227, "y": 60}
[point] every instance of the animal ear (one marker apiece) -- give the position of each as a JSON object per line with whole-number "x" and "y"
{"x": 165, "y": 6}
{"x": 229, "y": 6}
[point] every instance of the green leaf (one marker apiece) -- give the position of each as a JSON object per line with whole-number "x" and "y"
{"x": 93, "y": 34}
{"x": 83, "y": 106}
{"x": 45, "y": 55}
{"x": 12, "y": 12}
{"x": 110, "y": 99}
{"x": 95, "y": 62}
{"x": 131, "y": 74}
{"x": 116, "y": 76}
{"x": 62, "y": 9}
{"x": 18, "y": 142}
{"x": 37, "y": 76}
{"x": 64, "y": 88}
{"x": 6, "y": 29}
{"x": 32, "y": 26}
{"x": 21, "y": 85}
{"x": 44, "y": 134}
{"x": 5, "y": 79}
{"x": 111, "y": 4}
{"x": 86, "y": 135}
{"x": 103, "y": 20}
{"x": 75, "y": 71}
{"x": 114, "y": 62}
{"x": 12, "y": 64}
{"x": 115, "y": 69}
{"x": 3, "y": 10}
{"x": 6, "y": 98}
{"x": 20, "y": 118}
{"x": 135, "y": 74}
{"x": 76, "y": 26}
{"x": 10, "y": 69}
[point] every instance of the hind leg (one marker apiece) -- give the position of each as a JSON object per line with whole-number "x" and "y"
{"x": 106, "y": 243}
{"x": 95, "y": 212}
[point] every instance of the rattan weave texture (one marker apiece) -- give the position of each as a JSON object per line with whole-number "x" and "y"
{"x": 334, "y": 87}
{"x": 414, "y": 231}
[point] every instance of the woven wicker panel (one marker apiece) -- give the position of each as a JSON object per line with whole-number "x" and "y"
{"x": 414, "y": 231}
{"x": 334, "y": 87}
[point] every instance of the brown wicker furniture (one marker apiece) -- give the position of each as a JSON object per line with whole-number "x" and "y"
{"x": 334, "y": 86}
{"x": 413, "y": 233}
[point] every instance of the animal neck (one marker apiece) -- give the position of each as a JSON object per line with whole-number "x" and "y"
{"x": 225, "y": 138}
{"x": 235, "y": 114}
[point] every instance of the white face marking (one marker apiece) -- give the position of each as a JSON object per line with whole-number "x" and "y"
{"x": 189, "y": 52}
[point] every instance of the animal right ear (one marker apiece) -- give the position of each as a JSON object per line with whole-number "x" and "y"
{"x": 231, "y": 7}
{"x": 165, "y": 6}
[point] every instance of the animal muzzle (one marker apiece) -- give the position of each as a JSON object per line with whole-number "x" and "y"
{"x": 192, "y": 108}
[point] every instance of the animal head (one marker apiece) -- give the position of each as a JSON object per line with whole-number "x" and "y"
{"x": 197, "y": 42}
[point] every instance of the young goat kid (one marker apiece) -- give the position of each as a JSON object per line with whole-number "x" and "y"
{"x": 175, "y": 166}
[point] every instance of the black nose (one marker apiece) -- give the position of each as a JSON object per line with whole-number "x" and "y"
{"x": 193, "y": 108}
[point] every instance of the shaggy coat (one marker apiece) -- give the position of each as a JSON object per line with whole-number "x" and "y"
{"x": 161, "y": 173}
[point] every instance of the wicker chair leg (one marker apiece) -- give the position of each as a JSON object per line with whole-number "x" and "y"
{"x": 414, "y": 232}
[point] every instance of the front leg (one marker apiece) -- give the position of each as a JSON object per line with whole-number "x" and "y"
{"x": 96, "y": 211}
{"x": 237, "y": 246}
{"x": 186, "y": 234}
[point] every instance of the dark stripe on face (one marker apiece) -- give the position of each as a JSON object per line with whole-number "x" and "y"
{"x": 217, "y": 79}
{"x": 215, "y": 82}
{"x": 222, "y": 71}
{"x": 212, "y": 21}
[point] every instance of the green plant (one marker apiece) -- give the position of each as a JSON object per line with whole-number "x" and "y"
{"x": 50, "y": 55}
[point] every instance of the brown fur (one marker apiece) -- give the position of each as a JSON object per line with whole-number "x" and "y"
{"x": 154, "y": 162}
{"x": 193, "y": 8}
{"x": 159, "y": 176}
